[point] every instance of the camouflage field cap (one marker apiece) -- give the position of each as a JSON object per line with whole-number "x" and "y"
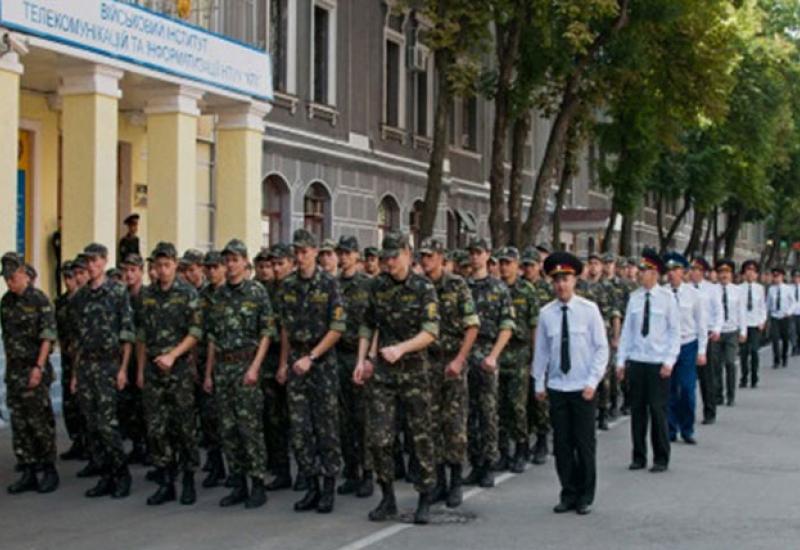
{"x": 508, "y": 253}
{"x": 12, "y": 262}
{"x": 96, "y": 250}
{"x": 347, "y": 243}
{"x": 164, "y": 250}
{"x": 235, "y": 246}
{"x": 212, "y": 257}
{"x": 132, "y": 259}
{"x": 279, "y": 251}
{"x": 393, "y": 243}
{"x": 192, "y": 257}
{"x": 431, "y": 246}
{"x": 328, "y": 245}
{"x": 303, "y": 239}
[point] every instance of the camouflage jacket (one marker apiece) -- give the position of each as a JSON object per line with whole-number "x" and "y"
{"x": 103, "y": 318}
{"x": 617, "y": 293}
{"x": 239, "y": 316}
{"x": 355, "y": 293}
{"x": 494, "y": 307}
{"x": 26, "y": 319}
{"x": 597, "y": 293}
{"x": 65, "y": 328}
{"x": 309, "y": 308}
{"x": 168, "y": 316}
{"x": 457, "y": 313}
{"x": 526, "y": 310}
{"x": 399, "y": 310}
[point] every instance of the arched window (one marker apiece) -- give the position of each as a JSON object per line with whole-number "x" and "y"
{"x": 316, "y": 209}
{"x": 415, "y": 223}
{"x": 388, "y": 216}
{"x": 274, "y": 210}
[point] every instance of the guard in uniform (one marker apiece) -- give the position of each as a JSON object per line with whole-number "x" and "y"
{"x": 780, "y": 305}
{"x": 733, "y": 332}
{"x": 129, "y": 244}
{"x": 756, "y": 319}
{"x": 705, "y": 373}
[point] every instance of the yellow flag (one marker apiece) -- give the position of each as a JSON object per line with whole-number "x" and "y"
{"x": 184, "y": 8}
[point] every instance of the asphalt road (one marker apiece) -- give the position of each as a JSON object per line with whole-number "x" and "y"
{"x": 737, "y": 489}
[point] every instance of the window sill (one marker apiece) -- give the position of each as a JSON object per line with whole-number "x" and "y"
{"x": 392, "y": 133}
{"x": 422, "y": 142}
{"x": 323, "y": 112}
{"x": 285, "y": 101}
{"x": 466, "y": 152}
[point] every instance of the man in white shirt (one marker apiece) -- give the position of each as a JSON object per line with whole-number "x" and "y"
{"x": 705, "y": 373}
{"x": 796, "y": 314}
{"x": 755, "y": 317}
{"x": 732, "y": 333}
{"x": 649, "y": 347}
{"x": 571, "y": 356}
{"x": 694, "y": 339}
{"x": 780, "y": 307}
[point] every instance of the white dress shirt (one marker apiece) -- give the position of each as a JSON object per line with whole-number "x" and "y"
{"x": 588, "y": 346}
{"x": 663, "y": 341}
{"x": 737, "y": 308}
{"x": 693, "y": 314}
{"x": 714, "y": 308}
{"x": 787, "y": 301}
{"x": 755, "y": 314}
{"x": 796, "y": 297}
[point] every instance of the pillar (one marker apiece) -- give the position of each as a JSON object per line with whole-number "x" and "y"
{"x": 240, "y": 135}
{"x": 172, "y": 114}
{"x": 10, "y": 71}
{"x": 90, "y": 96}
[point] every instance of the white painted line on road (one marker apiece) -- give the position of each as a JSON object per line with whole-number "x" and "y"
{"x": 387, "y": 532}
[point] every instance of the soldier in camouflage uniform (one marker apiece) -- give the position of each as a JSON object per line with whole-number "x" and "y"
{"x": 130, "y": 408}
{"x": 240, "y": 327}
{"x": 104, "y": 333}
{"x": 327, "y": 258}
{"x": 263, "y": 267}
{"x": 404, "y": 311}
{"x": 70, "y": 408}
{"x": 354, "y": 287}
{"x": 496, "y": 313}
{"x": 371, "y": 261}
{"x": 618, "y": 293}
{"x": 538, "y": 410}
{"x": 214, "y": 268}
{"x": 29, "y": 331}
{"x": 170, "y": 324}
{"x": 276, "y": 402}
{"x": 448, "y": 354}
{"x": 312, "y": 319}
{"x": 515, "y": 364}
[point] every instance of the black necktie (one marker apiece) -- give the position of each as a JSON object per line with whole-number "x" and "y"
{"x": 725, "y": 301}
{"x": 796, "y": 293}
{"x": 749, "y": 296}
{"x": 697, "y": 286}
{"x": 778, "y": 305}
{"x": 675, "y": 292}
{"x": 646, "y": 321}
{"x": 566, "y": 363}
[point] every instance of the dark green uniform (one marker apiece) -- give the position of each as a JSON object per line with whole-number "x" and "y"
{"x": 496, "y": 313}
{"x": 515, "y": 368}
{"x": 130, "y": 405}
{"x": 450, "y": 401}
{"x": 28, "y": 319}
{"x": 399, "y": 310}
{"x": 352, "y": 398}
{"x": 166, "y": 318}
{"x": 308, "y": 309}
{"x": 104, "y": 322}
{"x": 539, "y": 411}
{"x": 70, "y": 407}
{"x": 128, "y": 245}
{"x": 207, "y": 403}
{"x": 239, "y": 317}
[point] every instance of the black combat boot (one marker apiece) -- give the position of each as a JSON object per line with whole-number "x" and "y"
{"x": 311, "y": 498}
{"x": 325, "y": 504}
{"x": 137, "y": 454}
{"x": 399, "y": 465}
{"x": 387, "y": 508}
{"x": 75, "y": 451}
{"x": 602, "y": 420}
{"x": 540, "y": 450}
{"x": 165, "y": 491}
{"x": 104, "y": 486}
{"x": 282, "y": 480}
{"x": 49, "y": 482}
{"x": 454, "y": 493}
{"x": 216, "y": 475}
{"x": 26, "y": 482}
{"x": 350, "y": 484}
{"x": 122, "y": 483}
{"x": 439, "y": 492}
{"x": 188, "y": 494}
{"x": 258, "y": 494}
{"x": 422, "y": 516}
{"x": 238, "y": 494}
{"x": 209, "y": 463}
{"x": 92, "y": 469}
{"x": 300, "y": 484}
{"x": 520, "y": 458}
{"x": 503, "y": 463}
{"x": 475, "y": 475}
{"x": 487, "y": 479}
{"x": 365, "y": 487}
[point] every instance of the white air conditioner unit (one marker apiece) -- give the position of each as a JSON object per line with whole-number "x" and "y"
{"x": 417, "y": 58}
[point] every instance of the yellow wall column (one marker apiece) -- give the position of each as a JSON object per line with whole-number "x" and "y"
{"x": 240, "y": 134}
{"x": 10, "y": 71}
{"x": 172, "y": 166}
{"x": 90, "y": 96}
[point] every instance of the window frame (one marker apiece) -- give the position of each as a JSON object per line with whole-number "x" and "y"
{"x": 331, "y": 7}
{"x": 399, "y": 39}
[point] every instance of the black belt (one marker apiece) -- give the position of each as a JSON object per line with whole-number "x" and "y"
{"x": 99, "y": 355}
{"x": 235, "y": 356}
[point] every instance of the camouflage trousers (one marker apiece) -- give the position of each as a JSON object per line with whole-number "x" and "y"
{"x": 70, "y": 407}
{"x": 205, "y": 405}
{"x": 241, "y": 415}
{"x": 314, "y": 416}
{"x": 171, "y": 430}
{"x": 538, "y": 413}
{"x": 130, "y": 409}
{"x": 33, "y": 434}
{"x": 352, "y": 416}
{"x": 276, "y": 414}
{"x": 449, "y": 410}
{"x": 604, "y": 388}
{"x": 97, "y": 391}
{"x": 482, "y": 420}
{"x": 406, "y": 382}
{"x": 513, "y": 391}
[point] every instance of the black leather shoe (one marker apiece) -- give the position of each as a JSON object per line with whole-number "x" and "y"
{"x": 311, "y": 498}
{"x": 454, "y": 493}
{"x": 188, "y": 493}
{"x": 422, "y": 515}
{"x": 27, "y": 482}
{"x": 709, "y": 421}
{"x": 165, "y": 493}
{"x": 502, "y": 463}
{"x": 387, "y": 508}
{"x": 258, "y": 494}
{"x": 122, "y": 483}
{"x": 326, "y": 497}
{"x": 583, "y": 509}
{"x": 49, "y": 482}
{"x": 689, "y": 440}
{"x": 563, "y": 507}
{"x": 658, "y": 468}
{"x": 366, "y": 488}
{"x": 90, "y": 470}
{"x": 636, "y": 466}
{"x": 237, "y": 495}
{"x": 743, "y": 384}
{"x": 102, "y": 489}
{"x": 729, "y": 402}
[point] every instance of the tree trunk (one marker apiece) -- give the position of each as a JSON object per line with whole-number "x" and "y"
{"x": 676, "y": 223}
{"x": 695, "y": 236}
{"x": 734, "y": 225}
{"x": 660, "y": 223}
{"x": 522, "y": 126}
{"x": 608, "y": 237}
{"x": 430, "y": 207}
{"x": 566, "y": 175}
{"x": 626, "y": 235}
{"x": 709, "y": 229}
